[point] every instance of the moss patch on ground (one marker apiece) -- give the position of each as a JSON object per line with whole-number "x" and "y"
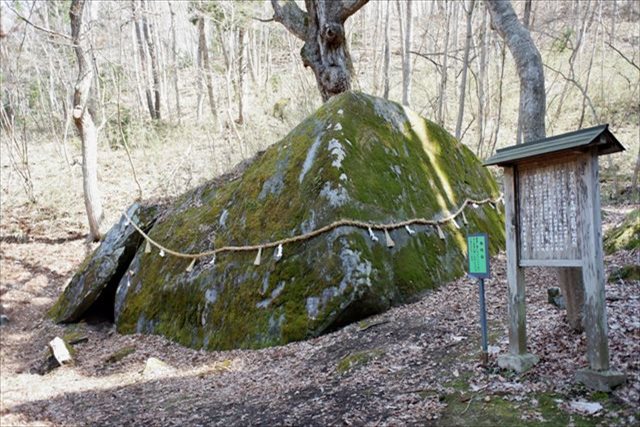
{"x": 470, "y": 409}
{"x": 355, "y": 360}
{"x": 626, "y": 272}
{"x": 120, "y": 354}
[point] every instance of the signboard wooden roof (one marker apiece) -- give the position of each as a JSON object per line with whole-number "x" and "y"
{"x": 580, "y": 140}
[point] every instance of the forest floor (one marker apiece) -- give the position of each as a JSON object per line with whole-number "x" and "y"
{"x": 415, "y": 364}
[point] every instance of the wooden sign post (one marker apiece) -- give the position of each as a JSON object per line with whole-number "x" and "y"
{"x": 552, "y": 219}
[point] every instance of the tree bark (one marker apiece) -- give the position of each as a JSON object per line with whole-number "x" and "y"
{"x": 82, "y": 115}
{"x": 529, "y": 65}
{"x": 155, "y": 67}
{"x": 465, "y": 66}
{"x": 143, "y": 60}
{"x": 241, "y": 73}
{"x": 406, "y": 60}
{"x": 325, "y": 50}
{"x": 387, "y": 53}
{"x": 481, "y": 85}
{"x": 174, "y": 60}
{"x": 204, "y": 65}
{"x": 442, "y": 98}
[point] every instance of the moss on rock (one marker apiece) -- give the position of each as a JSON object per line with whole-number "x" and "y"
{"x": 625, "y": 235}
{"x": 357, "y": 157}
{"x": 94, "y": 284}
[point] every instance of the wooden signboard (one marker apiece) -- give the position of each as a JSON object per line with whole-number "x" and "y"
{"x": 552, "y": 219}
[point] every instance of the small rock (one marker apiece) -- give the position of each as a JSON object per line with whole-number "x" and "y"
{"x": 554, "y": 297}
{"x": 154, "y": 367}
{"x": 584, "y": 407}
{"x": 3, "y": 319}
{"x": 60, "y": 350}
{"x": 487, "y": 399}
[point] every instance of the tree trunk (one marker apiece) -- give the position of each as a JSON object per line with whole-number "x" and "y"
{"x": 82, "y": 115}
{"x": 204, "y": 64}
{"x": 325, "y": 49}
{"x": 526, "y": 17}
{"x": 634, "y": 180}
{"x": 387, "y": 53}
{"x": 406, "y": 60}
{"x": 155, "y": 68}
{"x": 481, "y": 84}
{"x": 174, "y": 60}
{"x": 143, "y": 60}
{"x": 465, "y": 66}
{"x": 529, "y": 66}
{"x": 442, "y": 99}
{"x": 496, "y": 131}
{"x": 241, "y": 73}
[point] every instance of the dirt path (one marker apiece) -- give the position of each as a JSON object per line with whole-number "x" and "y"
{"x": 414, "y": 364}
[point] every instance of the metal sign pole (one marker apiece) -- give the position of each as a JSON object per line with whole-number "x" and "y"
{"x": 478, "y": 254}
{"x": 483, "y": 324}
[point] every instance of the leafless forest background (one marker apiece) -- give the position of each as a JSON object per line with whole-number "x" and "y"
{"x": 186, "y": 89}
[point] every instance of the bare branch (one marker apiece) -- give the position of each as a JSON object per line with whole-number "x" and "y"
{"x": 580, "y": 88}
{"x": 349, "y": 7}
{"x": 291, "y": 16}
{"x": 623, "y": 56}
{"x": 37, "y": 27}
{"x": 256, "y": 18}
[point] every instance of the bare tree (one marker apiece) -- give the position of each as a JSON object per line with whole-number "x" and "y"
{"x": 442, "y": 98}
{"x": 83, "y": 117}
{"x": 325, "y": 50}
{"x": 242, "y": 69}
{"x": 406, "y": 60}
{"x": 174, "y": 60}
{"x": 147, "y": 28}
{"x": 529, "y": 64}
{"x": 143, "y": 59}
{"x": 387, "y": 53}
{"x": 465, "y": 66}
{"x": 204, "y": 65}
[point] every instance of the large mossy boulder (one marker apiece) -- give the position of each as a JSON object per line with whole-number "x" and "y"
{"x": 358, "y": 157}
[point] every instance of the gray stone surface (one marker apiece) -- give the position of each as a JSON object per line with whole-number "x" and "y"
{"x": 555, "y": 297}
{"x": 518, "y": 362}
{"x": 600, "y": 380}
{"x": 105, "y": 265}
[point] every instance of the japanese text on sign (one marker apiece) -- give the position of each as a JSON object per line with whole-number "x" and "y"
{"x": 478, "y": 253}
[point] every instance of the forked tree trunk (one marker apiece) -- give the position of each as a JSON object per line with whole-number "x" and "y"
{"x": 325, "y": 50}
{"x": 529, "y": 64}
{"x": 84, "y": 123}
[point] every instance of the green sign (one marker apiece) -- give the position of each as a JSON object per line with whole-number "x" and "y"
{"x": 478, "y": 253}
